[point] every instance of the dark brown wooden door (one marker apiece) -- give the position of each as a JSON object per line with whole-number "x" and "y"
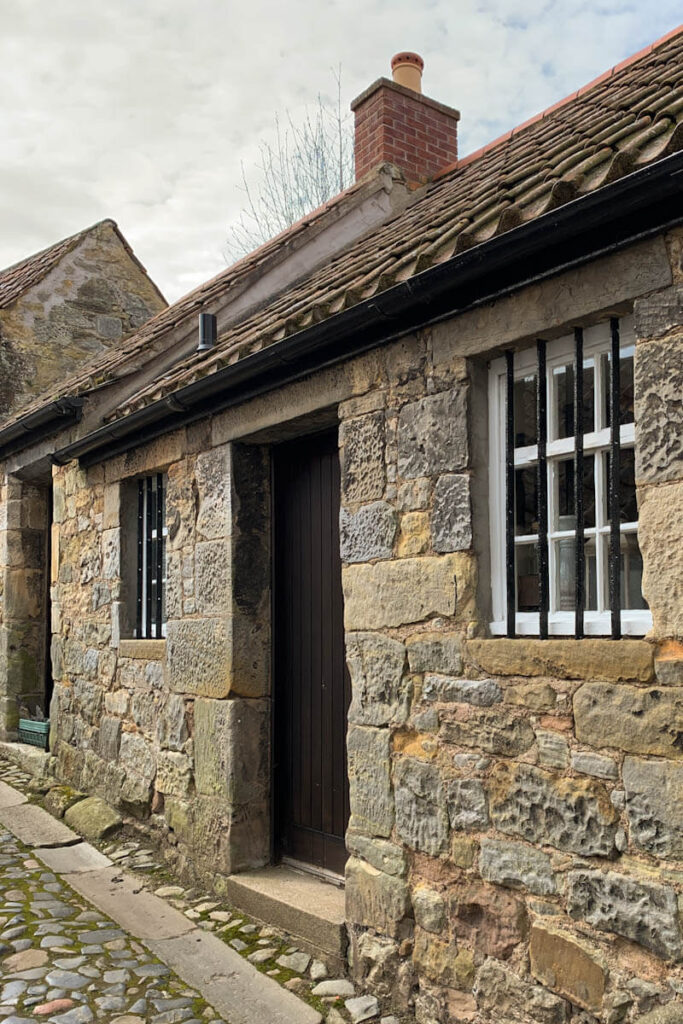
{"x": 312, "y": 688}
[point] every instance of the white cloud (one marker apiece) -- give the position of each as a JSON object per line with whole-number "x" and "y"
{"x": 144, "y": 112}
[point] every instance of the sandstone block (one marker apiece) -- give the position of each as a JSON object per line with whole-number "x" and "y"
{"x": 414, "y": 535}
{"x": 421, "y": 818}
{"x": 433, "y": 434}
{"x": 171, "y": 728}
{"x": 381, "y": 854}
{"x": 109, "y": 738}
{"x": 569, "y": 814}
{"x": 440, "y": 962}
{"x": 93, "y": 818}
{"x": 517, "y": 866}
{"x": 568, "y": 966}
{"x": 137, "y": 757}
{"x": 363, "y": 473}
{"x": 375, "y": 899}
{"x": 199, "y": 657}
{"x": 487, "y": 919}
{"x": 672, "y": 1013}
{"x": 174, "y": 774}
{"x": 231, "y": 749}
{"x": 659, "y": 313}
{"x": 660, "y": 535}
{"x": 367, "y": 533}
{"x": 212, "y": 474}
{"x": 658, "y": 406}
{"x": 406, "y": 590}
{"x": 213, "y": 578}
{"x": 641, "y": 911}
{"x": 594, "y": 764}
{"x": 434, "y": 652}
{"x": 111, "y": 554}
{"x": 379, "y": 693}
{"x": 492, "y": 730}
{"x": 506, "y": 996}
{"x": 591, "y": 659}
{"x": 447, "y": 689}
{"x": 466, "y": 801}
{"x": 429, "y": 908}
{"x": 229, "y": 839}
{"x": 553, "y": 749}
{"x": 654, "y": 804}
{"x": 451, "y": 519}
{"x": 369, "y": 766}
{"x": 640, "y": 721}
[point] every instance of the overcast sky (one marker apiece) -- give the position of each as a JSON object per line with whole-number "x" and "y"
{"x": 144, "y": 110}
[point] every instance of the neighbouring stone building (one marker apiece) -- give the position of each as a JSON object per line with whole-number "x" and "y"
{"x": 324, "y": 588}
{"x": 68, "y": 304}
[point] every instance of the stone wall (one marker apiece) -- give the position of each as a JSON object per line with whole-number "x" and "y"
{"x": 176, "y": 727}
{"x": 96, "y": 296}
{"x": 23, "y": 601}
{"x": 516, "y": 820}
{"x": 516, "y": 813}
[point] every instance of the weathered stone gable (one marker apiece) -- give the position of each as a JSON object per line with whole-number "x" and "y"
{"x": 95, "y": 297}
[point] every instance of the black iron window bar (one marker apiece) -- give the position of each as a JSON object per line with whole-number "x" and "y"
{"x": 150, "y": 572}
{"x": 542, "y": 489}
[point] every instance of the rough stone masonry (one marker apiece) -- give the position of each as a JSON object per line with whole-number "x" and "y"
{"x": 516, "y": 829}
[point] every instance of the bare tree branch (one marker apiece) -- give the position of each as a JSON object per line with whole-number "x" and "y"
{"x": 306, "y": 165}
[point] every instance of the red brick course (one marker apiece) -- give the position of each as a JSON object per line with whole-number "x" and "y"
{"x": 395, "y": 125}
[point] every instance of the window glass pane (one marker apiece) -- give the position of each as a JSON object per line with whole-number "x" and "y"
{"x": 565, "y": 574}
{"x": 564, "y": 504}
{"x": 525, "y": 411}
{"x": 563, "y": 398}
{"x": 526, "y": 501}
{"x": 631, "y": 573}
{"x": 527, "y": 577}
{"x": 625, "y": 384}
{"x": 628, "y": 506}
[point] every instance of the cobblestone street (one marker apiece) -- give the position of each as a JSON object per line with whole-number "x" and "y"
{"x": 64, "y": 962}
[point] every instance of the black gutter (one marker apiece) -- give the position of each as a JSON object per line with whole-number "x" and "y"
{"x": 36, "y": 426}
{"x": 634, "y": 208}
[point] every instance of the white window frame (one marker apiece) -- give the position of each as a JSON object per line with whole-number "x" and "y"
{"x": 634, "y": 622}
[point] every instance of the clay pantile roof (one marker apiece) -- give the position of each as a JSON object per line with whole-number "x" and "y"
{"x": 126, "y": 357}
{"x": 621, "y": 122}
{"x": 624, "y": 120}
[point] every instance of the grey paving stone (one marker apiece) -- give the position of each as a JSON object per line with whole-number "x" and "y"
{"x": 229, "y": 983}
{"x": 69, "y": 859}
{"x": 35, "y": 827}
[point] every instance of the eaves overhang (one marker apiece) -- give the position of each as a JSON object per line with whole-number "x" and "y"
{"x": 41, "y": 424}
{"x": 636, "y": 207}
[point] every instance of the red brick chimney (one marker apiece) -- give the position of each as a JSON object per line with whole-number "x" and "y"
{"x": 396, "y": 124}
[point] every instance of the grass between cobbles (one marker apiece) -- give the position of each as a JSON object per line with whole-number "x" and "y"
{"x": 160, "y": 876}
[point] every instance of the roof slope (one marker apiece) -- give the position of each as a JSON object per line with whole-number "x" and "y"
{"x": 18, "y": 278}
{"x": 628, "y": 118}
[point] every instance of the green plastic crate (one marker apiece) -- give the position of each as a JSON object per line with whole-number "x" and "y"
{"x": 35, "y": 733}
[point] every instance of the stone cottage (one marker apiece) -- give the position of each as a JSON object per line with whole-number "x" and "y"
{"x": 382, "y": 579}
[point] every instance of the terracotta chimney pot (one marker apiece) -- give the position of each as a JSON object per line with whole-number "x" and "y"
{"x": 406, "y": 69}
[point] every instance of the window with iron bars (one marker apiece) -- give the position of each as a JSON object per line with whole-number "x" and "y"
{"x": 565, "y": 558}
{"x": 150, "y": 620}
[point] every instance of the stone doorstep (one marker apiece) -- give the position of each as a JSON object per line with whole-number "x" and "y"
{"x": 31, "y": 760}
{"x": 310, "y": 910}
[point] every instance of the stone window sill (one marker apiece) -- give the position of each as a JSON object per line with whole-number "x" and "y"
{"x": 143, "y": 650}
{"x": 570, "y": 659}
